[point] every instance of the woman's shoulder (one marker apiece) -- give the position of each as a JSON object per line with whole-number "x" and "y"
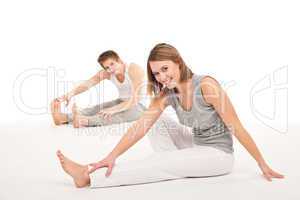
{"x": 166, "y": 97}
{"x": 210, "y": 88}
{"x": 208, "y": 82}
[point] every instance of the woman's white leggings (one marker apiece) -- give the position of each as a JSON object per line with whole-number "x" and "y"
{"x": 175, "y": 157}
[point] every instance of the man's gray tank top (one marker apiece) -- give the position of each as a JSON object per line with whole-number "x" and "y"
{"x": 125, "y": 88}
{"x": 207, "y": 126}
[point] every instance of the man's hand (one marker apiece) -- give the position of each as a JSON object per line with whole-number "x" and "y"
{"x": 66, "y": 98}
{"x": 106, "y": 114}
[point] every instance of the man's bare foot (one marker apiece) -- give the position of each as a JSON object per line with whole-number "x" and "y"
{"x": 78, "y": 120}
{"x": 78, "y": 172}
{"x": 58, "y": 117}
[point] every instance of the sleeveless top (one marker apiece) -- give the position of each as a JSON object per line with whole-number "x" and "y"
{"x": 125, "y": 88}
{"x": 207, "y": 126}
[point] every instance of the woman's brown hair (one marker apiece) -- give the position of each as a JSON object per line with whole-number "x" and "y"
{"x": 162, "y": 52}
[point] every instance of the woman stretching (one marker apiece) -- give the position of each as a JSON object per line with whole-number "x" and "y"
{"x": 129, "y": 81}
{"x": 204, "y": 150}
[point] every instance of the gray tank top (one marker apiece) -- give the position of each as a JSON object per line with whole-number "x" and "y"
{"x": 207, "y": 126}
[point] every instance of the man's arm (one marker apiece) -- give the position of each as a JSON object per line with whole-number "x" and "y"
{"x": 94, "y": 80}
{"x": 136, "y": 75}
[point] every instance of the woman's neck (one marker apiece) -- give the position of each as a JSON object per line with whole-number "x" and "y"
{"x": 185, "y": 86}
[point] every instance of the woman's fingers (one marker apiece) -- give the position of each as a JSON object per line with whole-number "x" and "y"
{"x": 268, "y": 173}
{"x": 272, "y": 174}
{"x": 92, "y": 170}
{"x": 277, "y": 175}
{"x": 109, "y": 170}
{"x": 92, "y": 167}
{"x": 96, "y": 166}
{"x": 267, "y": 176}
{"x": 93, "y": 164}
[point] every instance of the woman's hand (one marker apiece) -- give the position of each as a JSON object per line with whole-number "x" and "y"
{"x": 108, "y": 162}
{"x": 268, "y": 173}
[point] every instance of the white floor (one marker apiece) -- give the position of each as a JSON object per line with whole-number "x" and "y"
{"x": 30, "y": 170}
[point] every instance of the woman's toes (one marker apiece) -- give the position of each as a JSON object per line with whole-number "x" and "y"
{"x": 60, "y": 155}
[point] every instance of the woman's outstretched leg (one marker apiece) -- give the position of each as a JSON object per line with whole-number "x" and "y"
{"x": 175, "y": 157}
{"x": 58, "y": 117}
{"x": 167, "y": 135}
{"x": 78, "y": 172}
{"x": 198, "y": 161}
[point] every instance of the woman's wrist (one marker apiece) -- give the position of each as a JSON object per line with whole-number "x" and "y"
{"x": 112, "y": 155}
{"x": 261, "y": 162}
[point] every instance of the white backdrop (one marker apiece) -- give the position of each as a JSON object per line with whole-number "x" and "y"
{"x": 251, "y": 47}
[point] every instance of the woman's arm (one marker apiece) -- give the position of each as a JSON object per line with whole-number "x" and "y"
{"x": 138, "y": 129}
{"x": 136, "y": 75}
{"x": 213, "y": 94}
{"x": 133, "y": 135}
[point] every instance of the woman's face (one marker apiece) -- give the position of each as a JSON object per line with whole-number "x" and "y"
{"x": 166, "y": 72}
{"x": 112, "y": 66}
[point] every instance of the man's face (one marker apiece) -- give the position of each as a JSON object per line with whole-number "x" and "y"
{"x": 112, "y": 66}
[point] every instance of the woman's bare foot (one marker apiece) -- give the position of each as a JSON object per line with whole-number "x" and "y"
{"x": 78, "y": 120}
{"x": 78, "y": 172}
{"x": 58, "y": 117}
